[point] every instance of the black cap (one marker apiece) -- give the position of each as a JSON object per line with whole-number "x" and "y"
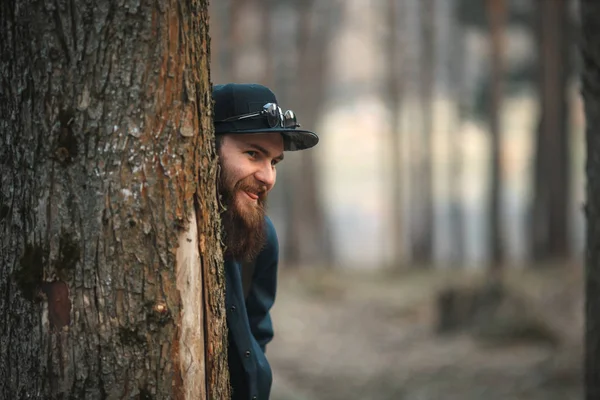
{"x": 235, "y": 99}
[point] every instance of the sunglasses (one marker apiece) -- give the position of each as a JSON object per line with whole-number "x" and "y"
{"x": 275, "y": 116}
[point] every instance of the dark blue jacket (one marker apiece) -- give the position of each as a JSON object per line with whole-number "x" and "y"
{"x": 249, "y": 322}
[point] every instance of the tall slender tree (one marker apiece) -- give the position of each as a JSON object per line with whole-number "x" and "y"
{"x": 496, "y": 11}
{"x": 423, "y": 228}
{"x": 221, "y": 43}
{"x": 235, "y": 43}
{"x": 308, "y": 239}
{"x": 393, "y": 88}
{"x": 457, "y": 91}
{"x": 266, "y": 41}
{"x": 550, "y": 208}
{"x": 109, "y": 230}
{"x": 590, "y": 88}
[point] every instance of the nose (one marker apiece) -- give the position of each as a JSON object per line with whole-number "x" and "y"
{"x": 266, "y": 175}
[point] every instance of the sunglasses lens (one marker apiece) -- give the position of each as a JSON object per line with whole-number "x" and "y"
{"x": 272, "y": 111}
{"x": 290, "y": 119}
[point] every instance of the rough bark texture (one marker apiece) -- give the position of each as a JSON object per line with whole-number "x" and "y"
{"x": 108, "y": 214}
{"x": 550, "y": 209}
{"x": 590, "y": 52}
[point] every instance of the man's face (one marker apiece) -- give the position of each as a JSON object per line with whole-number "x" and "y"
{"x": 247, "y": 175}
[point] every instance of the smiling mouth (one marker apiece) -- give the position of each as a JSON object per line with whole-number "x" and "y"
{"x": 252, "y": 196}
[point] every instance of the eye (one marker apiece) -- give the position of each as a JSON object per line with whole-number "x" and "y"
{"x": 252, "y": 153}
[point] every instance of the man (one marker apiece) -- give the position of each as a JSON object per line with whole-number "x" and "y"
{"x": 252, "y": 133}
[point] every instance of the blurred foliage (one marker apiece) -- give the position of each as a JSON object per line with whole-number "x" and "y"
{"x": 516, "y": 79}
{"x": 472, "y": 13}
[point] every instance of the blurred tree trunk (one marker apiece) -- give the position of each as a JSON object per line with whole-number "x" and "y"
{"x": 590, "y": 55}
{"x": 266, "y": 39}
{"x": 220, "y": 41}
{"x": 496, "y": 10}
{"x": 308, "y": 239}
{"x": 458, "y": 95}
{"x": 248, "y": 45}
{"x": 394, "y": 95}
{"x": 109, "y": 228}
{"x": 241, "y": 28}
{"x": 550, "y": 211}
{"x": 423, "y": 228}
{"x": 236, "y": 39}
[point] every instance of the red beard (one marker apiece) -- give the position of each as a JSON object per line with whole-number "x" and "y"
{"x": 243, "y": 220}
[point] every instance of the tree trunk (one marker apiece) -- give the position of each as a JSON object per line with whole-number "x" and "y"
{"x": 234, "y": 45}
{"x": 221, "y": 33}
{"x": 422, "y": 244}
{"x": 394, "y": 95}
{"x": 266, "y": 41}
{"x": 308, "y": 239}
{"x": 590, "y": 55}
{"x": 497, "y": 14}
{"x": 247, "y": 58}
{"x": 550, "y": 211}
{"x": 109, "y": 231}
{"x": 458, "y": 91}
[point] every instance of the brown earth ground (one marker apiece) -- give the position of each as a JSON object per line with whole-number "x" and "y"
{"x": 350, "y": 335}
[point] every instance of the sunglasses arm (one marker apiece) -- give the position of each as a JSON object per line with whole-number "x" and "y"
{"x": 244, "y": 116}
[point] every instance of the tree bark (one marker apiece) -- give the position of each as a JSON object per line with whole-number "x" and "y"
{"x": 110, "y": 261}
{"x": 590, "y": 88}
{"x": 550, "y": 211}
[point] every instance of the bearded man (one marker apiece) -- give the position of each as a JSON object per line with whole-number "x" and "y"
{"x": 252, "y": 133}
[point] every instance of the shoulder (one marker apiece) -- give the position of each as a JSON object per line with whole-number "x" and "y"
{"x": 269, "y": 253}
{"x": 272, "y": 240}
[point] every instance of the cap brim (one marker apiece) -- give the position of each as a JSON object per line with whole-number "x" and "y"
{"x": 293, "y": 139}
